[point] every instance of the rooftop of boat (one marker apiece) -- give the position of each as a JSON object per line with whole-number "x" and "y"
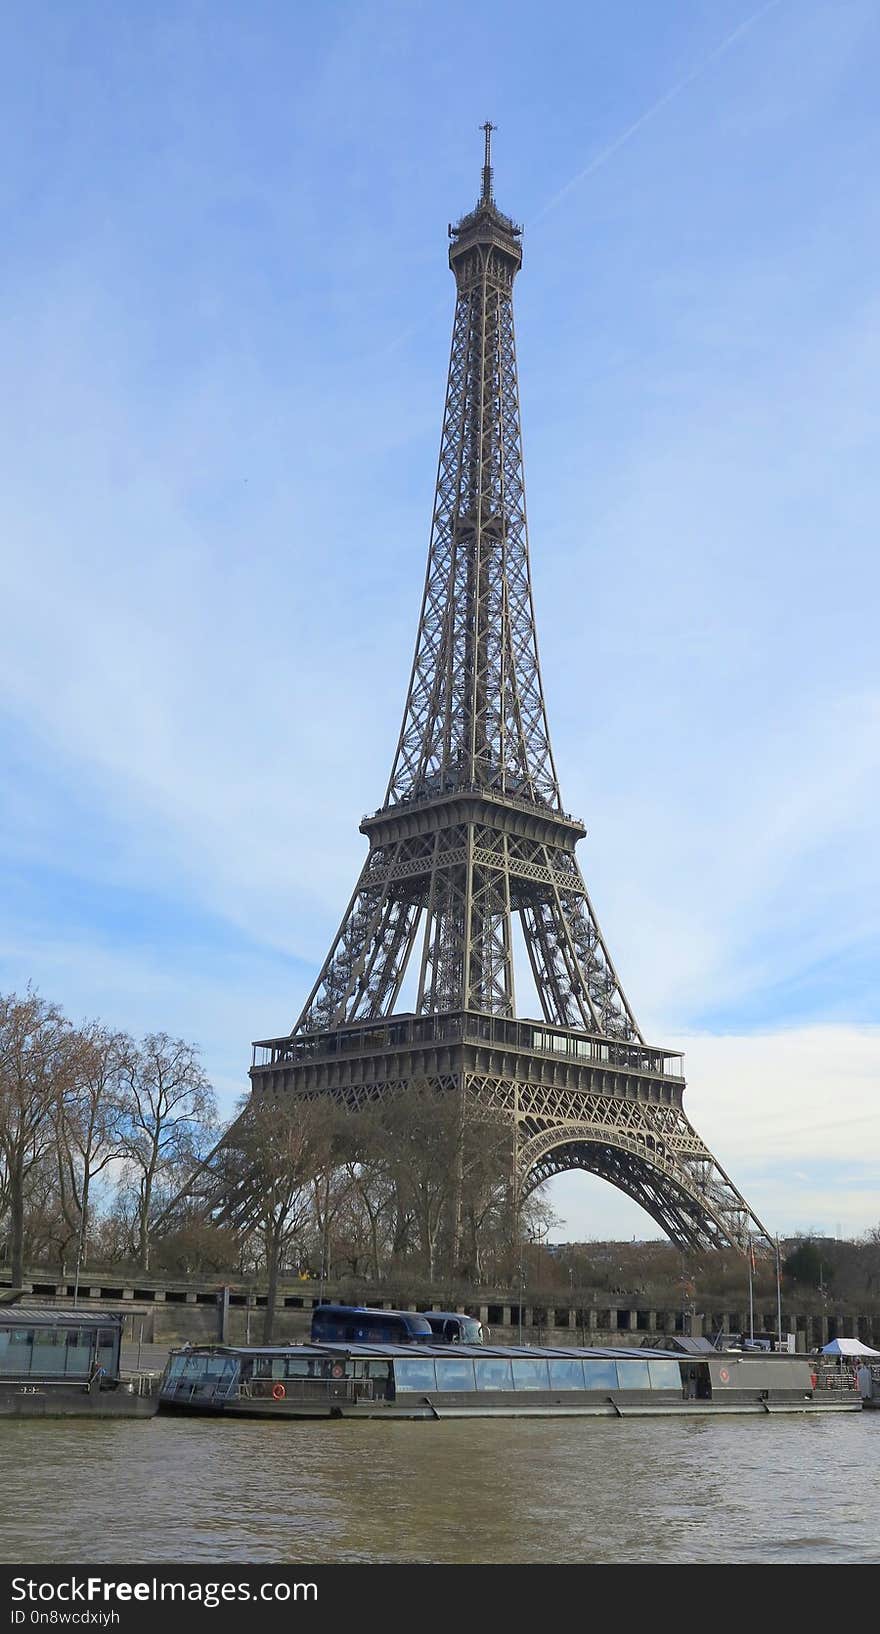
{"x": 43, "y": 1316}
{"x": 506, "y": 1352}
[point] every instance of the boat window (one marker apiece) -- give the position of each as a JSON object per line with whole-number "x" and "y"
{"x": 48, "y": 1350}
{"x": 633, "y": 1376}
{"x": 377, "y": 1370}
{"x": 108, "y": 1349}
{"x": 454, "y": 1373}
{"x": 529, "y": 1375}
{"x": 78, "y": 1352}
{"x": 372, "y": 1370}
{"x": 210, "y": 1369}
{"x": 665, "y": 1375}
{"x": 565, "y": 1375}
{"x": 600, "y": 1375}
{"x": 199, "y": 1368}
{"x": 493, "y": 1373}
{"x": 339, "y": 1367}
{"x": 270, "y": 1367}
{"x": 300, "y": 1367}
{"x": 415, "y": 1375}
{"x": 15, "y": 1350}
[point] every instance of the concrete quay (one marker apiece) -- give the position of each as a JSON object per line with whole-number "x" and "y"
{"x": 161, "y": 1311}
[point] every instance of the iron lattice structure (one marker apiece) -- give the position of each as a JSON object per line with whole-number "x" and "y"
{"x": 472, "y": 832}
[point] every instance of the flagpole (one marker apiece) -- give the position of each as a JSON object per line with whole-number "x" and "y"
{"x": 779, "y": 1293}
{"x": 751, "y": 1292}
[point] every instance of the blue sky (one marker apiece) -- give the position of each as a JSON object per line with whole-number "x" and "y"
{"x": 224, "y": 328}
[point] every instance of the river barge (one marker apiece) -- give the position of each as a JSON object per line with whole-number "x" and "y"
{"x": 66, "y": 1364}
{"x": 483, "y": 1381}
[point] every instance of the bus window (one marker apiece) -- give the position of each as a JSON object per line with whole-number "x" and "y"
{"x": 453, "y": 1328}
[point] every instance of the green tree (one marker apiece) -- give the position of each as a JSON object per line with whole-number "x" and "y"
{"x": 804, "y": 1264}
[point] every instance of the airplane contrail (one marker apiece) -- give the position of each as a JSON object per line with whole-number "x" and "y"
{"x": 667, "y": 97}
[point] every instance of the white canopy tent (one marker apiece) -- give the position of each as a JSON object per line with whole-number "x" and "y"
{"x": 849, "y": 1347}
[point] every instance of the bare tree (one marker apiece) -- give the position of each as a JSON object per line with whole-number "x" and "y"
{"x": 332, "y": 1183}
{"x": 89, "y": 1122}
{"x": 35, "y": 1068}
{"x": 168, "y": 1109}
{"x": 284, "y": 1148}
{"x": 485, "y": 1196}
{"x": 49, "y": 1230}
{"x": 371, "y": 1204}
{"x": 423, "y": 1130}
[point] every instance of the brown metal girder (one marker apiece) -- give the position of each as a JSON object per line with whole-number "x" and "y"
{"x": 460, "y": 808}
{"x": 534, "y": 1071}
{"x": 682, "y": 1214}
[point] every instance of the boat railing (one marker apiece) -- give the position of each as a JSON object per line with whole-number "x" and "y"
{"x": 307, "y": 1390}
{"x": 140, "y": 1384}
{"x": 188, "y": 1390}
{"x": 843, "y": 1380}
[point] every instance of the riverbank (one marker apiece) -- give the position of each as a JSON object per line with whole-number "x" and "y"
{"x": 163, "y": 1310}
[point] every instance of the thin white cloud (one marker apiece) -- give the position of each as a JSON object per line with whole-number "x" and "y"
{"x": 655, "y": 108}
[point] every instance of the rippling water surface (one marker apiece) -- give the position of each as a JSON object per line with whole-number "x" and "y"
{"x": 673, "y": 1491}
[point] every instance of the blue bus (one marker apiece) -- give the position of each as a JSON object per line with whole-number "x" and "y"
{"x": 361, "y": 1325}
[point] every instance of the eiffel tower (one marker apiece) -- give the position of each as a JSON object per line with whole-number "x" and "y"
{"x": 472, "y": 831}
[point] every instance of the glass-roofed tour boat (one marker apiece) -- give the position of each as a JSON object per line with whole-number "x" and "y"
{"x": 484, "y": 1381}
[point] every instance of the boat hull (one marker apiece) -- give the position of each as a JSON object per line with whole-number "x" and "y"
{"x": 436, "y": 1409}
{"x": 73, "y": 1401}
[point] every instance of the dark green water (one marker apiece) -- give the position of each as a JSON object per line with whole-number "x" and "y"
{"x": 673, "y": 1491}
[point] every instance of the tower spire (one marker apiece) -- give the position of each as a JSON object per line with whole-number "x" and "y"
{"x": 487, "y": 197}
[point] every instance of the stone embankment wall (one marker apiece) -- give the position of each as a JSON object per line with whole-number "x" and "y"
{"x": 164, "y": 1310}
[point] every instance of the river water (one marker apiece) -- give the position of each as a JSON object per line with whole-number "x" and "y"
{"x": 189, "y": 1491}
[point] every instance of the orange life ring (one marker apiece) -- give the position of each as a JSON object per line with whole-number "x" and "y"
{"x": 278, "y": 1392}
{"x": 724, "y": 1376}
{"x": 337, "y": 1371}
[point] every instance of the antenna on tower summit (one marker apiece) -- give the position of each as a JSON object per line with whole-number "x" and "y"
{"x": 486, "y": 197}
